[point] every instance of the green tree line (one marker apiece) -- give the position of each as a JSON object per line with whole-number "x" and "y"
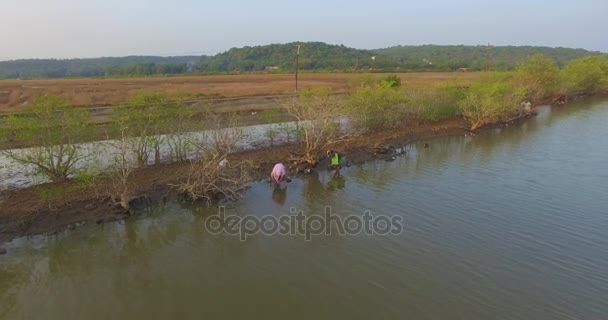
{"x": 97, "y": 67}
{"x": 281, "y": 58}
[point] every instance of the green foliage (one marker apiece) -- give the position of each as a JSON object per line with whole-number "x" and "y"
{"x": 97, "y": 67}
{"x": 142, "y": 127}
{"x": 538, "y": 76}
{"x": 52, "y": 129}
{"x": 271, "y": 133}
{"x": 587, "y": 75}
{"x": 145, "y": 119}
{"x": 434, "y": 103}
{"x": 392, "y": 81}
{"x": 490, "y": 100}
{"x": 146, "y": 69}
{"x": 446, "y": 58}
{"x": 86, "y": 178}
{"x": 270, "y": 116}
{"x": 313, "y": 56}
{"x": 178, "y": 121}
{"x": 321, "y": 56}
{"x": 276, "y": 127}
{"x": 377, "y": 108}
{"x": 51, "y": 193}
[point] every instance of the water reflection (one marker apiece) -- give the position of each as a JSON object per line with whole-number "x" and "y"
{"x": 279, "y": 195}
{"x": 337, "y": 182}
{"x": 314, "y": 190}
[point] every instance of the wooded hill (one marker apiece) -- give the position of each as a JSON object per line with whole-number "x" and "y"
{"x": 281, "y": 58}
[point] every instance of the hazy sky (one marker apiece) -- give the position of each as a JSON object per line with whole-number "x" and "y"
{"x": 93, "y": 28}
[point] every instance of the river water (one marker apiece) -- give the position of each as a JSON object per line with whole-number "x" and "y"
{"x": 509, "y": 224}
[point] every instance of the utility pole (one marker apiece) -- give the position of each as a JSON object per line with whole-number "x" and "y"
{"x": 488, "y": 57}
{"x": 297, "y": 66}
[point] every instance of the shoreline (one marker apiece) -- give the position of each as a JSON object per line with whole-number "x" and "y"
{"x": 25, "y": 213}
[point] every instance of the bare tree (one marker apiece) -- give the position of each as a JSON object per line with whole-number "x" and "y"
{"x": 122, "y": 166}
{"x": 211, "y": 177}
{"x": 208, "y": 181}
{"x": 319, "y": 116}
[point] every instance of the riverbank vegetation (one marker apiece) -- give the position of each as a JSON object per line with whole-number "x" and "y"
{"x": 155, "y": 129}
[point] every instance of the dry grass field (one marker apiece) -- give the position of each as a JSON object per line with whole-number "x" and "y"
{"x": 15, "y": 95}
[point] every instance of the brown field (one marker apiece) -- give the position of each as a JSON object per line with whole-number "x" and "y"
{"x": 91, "y": 92}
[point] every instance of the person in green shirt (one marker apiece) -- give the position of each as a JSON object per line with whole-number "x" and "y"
{"x": 336, "y": 160}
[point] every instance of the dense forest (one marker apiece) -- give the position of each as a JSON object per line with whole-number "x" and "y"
{"x": 97, "y": 67}
{"x": 281, "y": 58}
{"x": 313, "y": 56}
{"x": 475, "y": 57}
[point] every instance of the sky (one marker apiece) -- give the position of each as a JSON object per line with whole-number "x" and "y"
{"x": 95, "y": 28}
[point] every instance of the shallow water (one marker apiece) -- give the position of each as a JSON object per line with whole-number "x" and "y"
{"x": 510, "y": 224}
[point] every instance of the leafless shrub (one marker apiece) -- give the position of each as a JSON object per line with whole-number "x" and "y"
{"x": 318, "y": 114}
{"x": 209, "y": 181}
{"x": 222, "y": 136}
{"x": 121, "y": 167}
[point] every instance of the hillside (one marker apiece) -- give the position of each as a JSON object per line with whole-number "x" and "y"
{"x": 313, "y": 56}
{"x": 281, "y": 57}
{"x": 447, "y": 57}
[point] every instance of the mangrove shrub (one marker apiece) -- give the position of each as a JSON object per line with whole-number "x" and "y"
{"x": 437, "y": 102}
{"x": 587, "y": 75}
{"x": 538, "y": 76}
{"x": 51, "y": 130}
{"x": 491, "y": 100}
{"x": 376, "y": 108}
{"x": 144, "y": 120}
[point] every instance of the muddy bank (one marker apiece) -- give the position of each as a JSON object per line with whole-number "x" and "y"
{"x": 50, "y": 208}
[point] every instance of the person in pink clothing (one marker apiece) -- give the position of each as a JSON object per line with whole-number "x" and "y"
{"x": 279, "y": 173}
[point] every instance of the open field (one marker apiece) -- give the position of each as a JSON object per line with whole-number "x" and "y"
{"x": 94, "y": 92}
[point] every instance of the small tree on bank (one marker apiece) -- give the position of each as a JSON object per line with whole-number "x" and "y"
{"x": 122, "y": 163}
{"x": 379, "y": 107}
{"x": 587, "y": 75}
{"x": 212, "y": 176}
{"x": 318, "y": 114}
{"x": 490, "y": 101}
{"x": 145, "y": 120}
{"x": 51, "y": 130}
{"x": 539, "y": 76}
{"x": 208, "y": 181}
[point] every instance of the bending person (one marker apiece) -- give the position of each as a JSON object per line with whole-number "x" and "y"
{"x": 279, "y": 173}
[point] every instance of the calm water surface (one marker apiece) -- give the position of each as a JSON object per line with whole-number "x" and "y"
{"x": 510, "y": 224}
